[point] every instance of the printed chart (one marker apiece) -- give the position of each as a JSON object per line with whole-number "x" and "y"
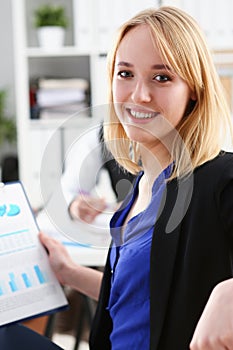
{"x": 28, "y": 286}
{"x": 19, "y": 280}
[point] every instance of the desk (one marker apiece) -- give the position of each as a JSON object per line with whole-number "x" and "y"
{"x": 82, "y": 253}
{"x": 87, "y": 256}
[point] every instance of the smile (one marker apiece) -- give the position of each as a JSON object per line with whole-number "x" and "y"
{"x": 142, "y": 115}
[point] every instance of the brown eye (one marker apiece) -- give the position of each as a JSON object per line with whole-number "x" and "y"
{"x": 125, "y": 74}
{"x": 162, "y": 78}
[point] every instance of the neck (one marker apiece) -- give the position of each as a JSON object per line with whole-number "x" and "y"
{"x": 154, "y": 161}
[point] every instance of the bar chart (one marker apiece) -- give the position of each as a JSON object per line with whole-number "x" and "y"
{"x": 21, "y": 280}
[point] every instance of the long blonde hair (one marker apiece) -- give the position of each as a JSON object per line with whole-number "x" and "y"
{"x": 183, "y": 47}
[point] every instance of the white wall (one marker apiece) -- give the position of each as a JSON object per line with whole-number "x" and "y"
{"x": 6, "y": 60}
{"x": 6, "y": 65}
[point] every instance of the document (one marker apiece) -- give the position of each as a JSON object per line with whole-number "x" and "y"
{"x": 28, "y": 286}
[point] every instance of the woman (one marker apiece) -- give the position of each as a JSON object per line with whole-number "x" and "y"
{"x": 171, "y": 238}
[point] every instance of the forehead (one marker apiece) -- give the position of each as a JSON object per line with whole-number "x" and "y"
{"x": 138, "y": 44}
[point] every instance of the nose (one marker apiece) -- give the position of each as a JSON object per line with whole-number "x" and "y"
{"x": 141, "y": 92}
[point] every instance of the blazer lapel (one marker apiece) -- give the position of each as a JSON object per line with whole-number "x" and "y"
{"x": 163, "y": 251}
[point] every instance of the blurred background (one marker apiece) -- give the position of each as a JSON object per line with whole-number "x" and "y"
{"x": 52, "y": 87}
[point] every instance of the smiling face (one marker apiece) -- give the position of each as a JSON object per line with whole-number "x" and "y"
{"x": 149, "y": 97}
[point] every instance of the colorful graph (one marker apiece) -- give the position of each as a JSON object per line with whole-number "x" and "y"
{"x": 22, "y": 280}
{"x": 12, "y": 282}
{"x": 40, "y": 276}
{"x": 9, "y": 210}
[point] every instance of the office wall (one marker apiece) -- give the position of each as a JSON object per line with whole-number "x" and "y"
{"x": 6, "y": 60}
{"x": 6, "y": 65}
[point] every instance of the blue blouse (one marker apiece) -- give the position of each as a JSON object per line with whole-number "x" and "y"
{"x": 129, "y": 302}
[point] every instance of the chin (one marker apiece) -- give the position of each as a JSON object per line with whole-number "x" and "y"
{"x": 138, "y": 133}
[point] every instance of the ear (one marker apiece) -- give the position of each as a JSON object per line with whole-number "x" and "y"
{"x": 193, "y": 96}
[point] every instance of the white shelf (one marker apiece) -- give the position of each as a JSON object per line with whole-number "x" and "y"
{"x": 82, "y": 120}
{"x": 66, "y": 51}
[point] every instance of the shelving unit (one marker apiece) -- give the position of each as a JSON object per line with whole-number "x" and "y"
{"x": 35, "y": 135}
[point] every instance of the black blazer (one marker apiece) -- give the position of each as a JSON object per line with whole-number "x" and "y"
{"x": 192, "y": 251}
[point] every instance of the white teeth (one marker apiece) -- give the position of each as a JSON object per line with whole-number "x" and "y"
{"x": 140, "y": 115}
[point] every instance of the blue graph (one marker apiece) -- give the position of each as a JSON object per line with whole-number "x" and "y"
{"x": 9, "y": 210}
{"x": 39, "y": 274}
{"x": 21, "y": 280}
{"x": 27, "y": 281}
{"x": 12, "y": 282}
{"x": 2, "y": 210}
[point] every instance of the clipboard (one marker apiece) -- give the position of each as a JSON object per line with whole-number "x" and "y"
{"x": 28, "y": 286}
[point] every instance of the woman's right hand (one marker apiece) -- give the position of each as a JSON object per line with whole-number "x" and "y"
{"x": 59, "y": 258}
{"x": 82, "y": 278}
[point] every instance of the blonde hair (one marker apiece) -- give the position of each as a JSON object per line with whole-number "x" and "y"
{"x": 183, "y": 47}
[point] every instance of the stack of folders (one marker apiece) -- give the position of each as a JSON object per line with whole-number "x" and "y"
{"x": 60, "y": 97}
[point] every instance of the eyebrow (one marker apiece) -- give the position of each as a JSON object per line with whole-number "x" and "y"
{"x": 125, "y": 64}
{"x": 161, "y": 66}
{"x": 155, "y": 66}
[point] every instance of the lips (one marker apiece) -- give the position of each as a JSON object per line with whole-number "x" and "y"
{"x": 141, "y": 115}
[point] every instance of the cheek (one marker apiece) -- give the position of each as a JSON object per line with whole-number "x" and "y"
{"x": 118, "y": 91}
{"x": 116, "y": 99}
{"x": 178, "y": 105}
{"x": 114, "y": 90}
{"x": 118, "y": 111}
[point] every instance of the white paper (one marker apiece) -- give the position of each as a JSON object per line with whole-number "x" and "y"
{"x": 28, "y": 286}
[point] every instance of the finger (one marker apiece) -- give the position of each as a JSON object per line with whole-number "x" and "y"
{"x": 48, "y": 241}
{"x": 208, "y": 344}
{"x": 42, "y": 237}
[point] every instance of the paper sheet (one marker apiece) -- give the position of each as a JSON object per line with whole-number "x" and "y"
{"x": 28, "y": 286}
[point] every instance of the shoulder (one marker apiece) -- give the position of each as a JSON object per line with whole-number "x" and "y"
{"x": 216, "y": 173}
{"x": 220, "y": 165}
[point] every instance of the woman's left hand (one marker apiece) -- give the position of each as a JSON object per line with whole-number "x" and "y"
{"x": 214, "y": 330}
